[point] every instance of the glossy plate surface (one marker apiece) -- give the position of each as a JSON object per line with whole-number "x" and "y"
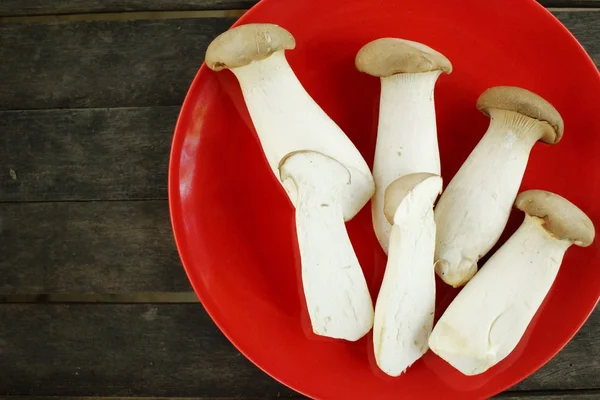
{"x": 234, "y": 225}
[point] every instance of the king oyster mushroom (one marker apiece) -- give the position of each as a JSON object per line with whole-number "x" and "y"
{"x": 474, "y": 208}
{"x": 407, "y": 129}
{"x": 322, "y": 172}
{"x": 488, "y": 318}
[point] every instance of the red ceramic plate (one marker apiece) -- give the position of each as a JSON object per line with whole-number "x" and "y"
{"x": 234, "y": 226}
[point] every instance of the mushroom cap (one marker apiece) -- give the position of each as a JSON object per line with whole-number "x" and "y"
{"x": 399, "y": 189}
{"x": 527, "y": 103}
{"x": 246, "y": 43}
{"x": 389, "y": 56}
{"x": 562, "y": 219}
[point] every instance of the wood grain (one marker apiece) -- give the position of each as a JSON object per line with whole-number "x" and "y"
{"x": 570, "y": 3}
{"x": 560, "y": 395}
{"x": 118, "y": 298}
{"x": 102, "y": 63}
{"x": 151, "y": 398}
{"x": 585, "y": 26}
{"x": 133, "y": 63}
{"x": 155, "y": 398}
{"x": 88, "y": 247}
{"x": 555, "y": 395}
{"x": 175, "y": 350}
{"x": 41, "y": 7}
{"x": 167, "y": 398}
{"x": 85, "y": 154}
{"x": 122, "y": 350}
{"x": 577, "y": 366}
{"x": 139, "y": 398}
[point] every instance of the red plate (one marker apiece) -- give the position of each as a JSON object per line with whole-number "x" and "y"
{"x": 234, "y": 226}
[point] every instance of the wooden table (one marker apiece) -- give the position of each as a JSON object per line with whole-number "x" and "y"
{"x": 93, "y": 298}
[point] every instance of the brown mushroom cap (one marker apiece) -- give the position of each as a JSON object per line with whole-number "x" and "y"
{"x": 563, "y": 219}
{"x": 526, "y": 103}
{"x": 389, "y": 56}
{"x": 246, "y": 43}
{"x": 399, "y": 189}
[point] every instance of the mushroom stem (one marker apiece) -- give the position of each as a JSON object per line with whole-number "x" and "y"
{"x": 406, "y": 301}
{"x": 339, "y": 303}
{"x": 474, "y": 208}
{"x": 486, "y": 184}
{"x": 488, "y": 318}
{"x": 287, "y": 119}
{"x": 406, "y": 137}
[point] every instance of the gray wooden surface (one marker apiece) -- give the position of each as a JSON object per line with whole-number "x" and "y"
{"x": 131, "y": 144}
{"x": 582, "y": 395}
{"x": 174, "y": 349}
{"x": 94, "y": 244}
{"x": 53, "y": 7}
{"x": 88, "y": 247}
{"x": 134, "y": 63}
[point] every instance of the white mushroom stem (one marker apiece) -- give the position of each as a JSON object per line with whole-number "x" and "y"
{"x": 406, "y": 137}
{"x": 473, "y": 210}
{"x": 489, "y": 316}
{"x": 287, "y": 119}
{"x": 326, "y": 179}
{"x": 339, "y": 303}
{"x": 406, "y": 302}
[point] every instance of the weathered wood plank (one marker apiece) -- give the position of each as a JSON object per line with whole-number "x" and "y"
{"x": 119, "y": 298}
{"x": 88, "y": 247}
{"x": 85, "y": 154}
{"x": 563, "y": 395}
{"x": 570, "y": 3}
{"x": 138, "y": 398}
{"x": 577, "y": 366}
{"x": 102, "y": 63}
{"x": 122, "y": 350}
{"x": 156, "y": 398}
{"x": 40, "y": 7}
{"x": 291, "y": 396}
{"x": 150, "y": 398}
{"x": 133, "y": 63}
{"x": 585, "y": 26}
{"x": 552, "y": 395}
{"x": 174, "y": 350}
{"x": 558, "y": 395}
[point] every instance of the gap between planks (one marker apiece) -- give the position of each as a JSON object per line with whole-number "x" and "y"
{"x": 97, "y": 200}
{"x": 572, "y": 9}
{"x": 145, "y": 15}
{"x": 25, "y": 397}
{"x": 582, "y": 394}
{"x": 126, "y": 16}
{"x": 576, "y": 394}
{"x": 108, "y": 298}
